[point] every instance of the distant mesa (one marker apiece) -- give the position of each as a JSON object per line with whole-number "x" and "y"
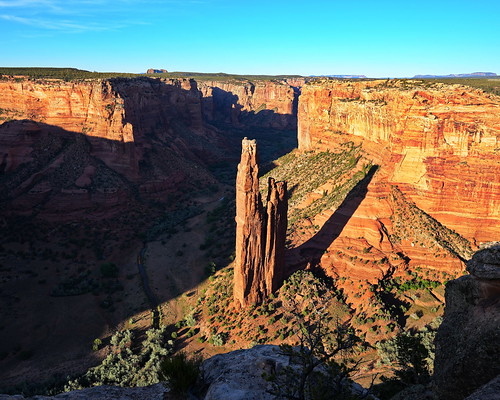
{"x": 471, "y": 75}
{"x": 156, "y": 71}
{"x": 341, "y": 76}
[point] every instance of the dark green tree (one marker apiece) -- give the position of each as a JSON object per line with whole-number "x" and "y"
{"x": 320, "y": 364}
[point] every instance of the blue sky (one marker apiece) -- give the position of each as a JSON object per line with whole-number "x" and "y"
{"x": 375, "y": 38}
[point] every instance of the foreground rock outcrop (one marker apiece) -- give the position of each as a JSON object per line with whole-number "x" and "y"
{"x": 260, "y": 232}
{"x": 489, "y": 391}
{"x": 467, "y": 342}
{"x": 154, "y": 392}
{"x": 239, "y": 375}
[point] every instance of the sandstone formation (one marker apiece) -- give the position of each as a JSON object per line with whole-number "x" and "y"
{"x": 260, "y": 232}
{"x": 467, "y": 350}
{"x": 439, "y": 143}
{"x": 250, "y": 104}
{"x": 118, "y": 137}
{"x": 104, "y": 136}
{"x": 88, "y": 168}
{"x": 436, "y": 193}
{"x": 156, "y": 71}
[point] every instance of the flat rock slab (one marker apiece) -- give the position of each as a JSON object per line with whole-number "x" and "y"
{"x": 490, "y": 391}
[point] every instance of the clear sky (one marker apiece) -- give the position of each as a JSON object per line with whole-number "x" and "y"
{"x": 375, "y": 38}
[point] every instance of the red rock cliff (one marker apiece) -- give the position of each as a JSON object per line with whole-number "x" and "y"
{"x": 77, "y": 126}
{"x": 438, "y": 143}
{"x": 244, "y": 103}
{"x": 153, "y": 133}
{"x": 260, "y": 232}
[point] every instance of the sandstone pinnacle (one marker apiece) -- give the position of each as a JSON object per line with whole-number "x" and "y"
{"x": 260, "y": 232}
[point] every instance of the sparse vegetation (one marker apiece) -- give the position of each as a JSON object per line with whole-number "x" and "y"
{"x": 134, "y": 360}
{"x": 72, "y": 74}
{"x": 310, "y": 172}
{"x": 320, "y": 359}
{"x": 180, "y": 372}
{"x": 410, "y": 355}
{"x": 411, "y": 222}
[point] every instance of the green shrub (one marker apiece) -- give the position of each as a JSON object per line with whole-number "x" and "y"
{"x": 218, "y": 339}
{"x": 180, "y": 372}
{"x": 109, "y": 270}
{"x": 96, "y": 344}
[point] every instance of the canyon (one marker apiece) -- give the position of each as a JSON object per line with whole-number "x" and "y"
{"x": 392, "y": 180}
{"x": 436, "y": 148}
{"x": 438, "y": 143}
{"x": 92, "y": 169}
{"x": 150, "y": 133}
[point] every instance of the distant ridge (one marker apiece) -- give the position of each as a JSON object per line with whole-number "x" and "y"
{"x": 341, "y": 76}
{"x": 471, "y": 75}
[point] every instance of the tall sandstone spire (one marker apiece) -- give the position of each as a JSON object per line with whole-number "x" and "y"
{"x": 260, "y": 232}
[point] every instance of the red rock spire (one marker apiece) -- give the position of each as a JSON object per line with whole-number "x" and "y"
{"x": 260, "y": 232}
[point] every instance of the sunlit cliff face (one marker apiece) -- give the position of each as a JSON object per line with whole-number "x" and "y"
{"x": 438, "y": 143}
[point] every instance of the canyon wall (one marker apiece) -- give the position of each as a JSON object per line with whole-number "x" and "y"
{"x": 438, "y": 144}
{"x": 85, "y": 143}
{"x": 105, "y": 141}
{"x": 260, "y": 232}
{"x": 250, "y": 104}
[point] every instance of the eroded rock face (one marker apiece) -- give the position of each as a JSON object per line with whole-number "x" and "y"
{"x": 486, "y": 263}
{"x": 274, "y": 260}
{"x": 110, "y": 138}
{"x": 260, "y": 232}
{"x": 74, "y": 145}
{"x": 467, "y": 343}
{"x": 250, "y": 104}
{"x": 437, "y": 143}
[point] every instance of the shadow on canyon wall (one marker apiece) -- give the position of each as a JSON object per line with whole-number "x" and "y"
{"x": 70, "y": 202}
{"x": 205, "y": 125}
{"x": 309, "y": 253}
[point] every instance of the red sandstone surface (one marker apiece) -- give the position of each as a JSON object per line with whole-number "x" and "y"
{"x": 439, "y": 144}
{"x": 436, "y": 146}
{"x": 244, "y": 103}
{"x": 260, "y": 232}
{"x": 153, "y": 136}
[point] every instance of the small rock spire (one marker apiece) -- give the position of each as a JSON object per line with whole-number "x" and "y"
{"x": 260, "y": 232}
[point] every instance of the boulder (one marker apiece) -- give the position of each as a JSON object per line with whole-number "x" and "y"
{"x": 240, "y": 374}
{"x": 485, "y": 264}
{"x": 467, "y": 342}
